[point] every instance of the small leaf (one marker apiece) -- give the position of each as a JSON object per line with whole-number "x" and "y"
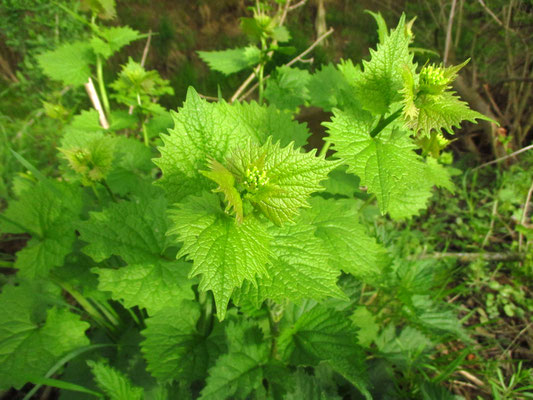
{"x": 114, "y": 383}
{"x": 233, "y": 60}
{"x": 69, "y": 63}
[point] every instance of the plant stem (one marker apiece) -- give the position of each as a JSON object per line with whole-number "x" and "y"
{"x": 101, "y": 85}
{"x": 383, "y": 123}
{"x": 262, "y": 71}
{"x": 324, "y": 149}
{"x": 104, "y": 184}
{"x": 145, "y": 135}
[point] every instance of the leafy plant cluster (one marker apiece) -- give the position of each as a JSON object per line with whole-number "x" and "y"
{"x": 245, "y": 271}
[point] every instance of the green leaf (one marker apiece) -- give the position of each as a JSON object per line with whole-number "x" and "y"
{"x": 344, "y": 238}
{"x": 366, "y": 322}
{"x": 339, "y": 182}
{"x": 288, "y": 89}
{"x": 232, "y": 60}
{"x": 387, "y": 163}
{"x": 322, "y": 334}
{"x": 226, "y": 185}
{"x": 49, "y": 211}
{"x": 173, "y": 348}
{"x": 69, "y": 63}
{"x": 299, "y": 268}
{"x": 105, "y": 9}
{"x": 307, "y": 387}
{"x": 281, "y": 34}
{"x": 278, "y": 180}
{"x": 31, "y": 341}
{"x": 381, "y": 81}
{"x": 443, "y": 111}
{"x": 114, "y": 384}
{"x": 112, "y": 39}
{"x": 404, "y": 348}
{"x": 205, "y": 130}
{"x": 236, "y": 374}
{"x": 134, "y": 230}
{"x": 151, "y": 285}
{"x": 224, "y": 253}
{"x": 328, "y": 88}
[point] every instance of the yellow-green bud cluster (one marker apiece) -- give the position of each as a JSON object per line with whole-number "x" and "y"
{"x": 433, "y": 79}
{"x": 255, "y": 179}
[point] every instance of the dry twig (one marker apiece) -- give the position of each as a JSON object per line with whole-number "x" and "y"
{"x": 91, "y": 91}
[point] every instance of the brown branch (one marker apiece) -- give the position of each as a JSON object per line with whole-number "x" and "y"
{"x": 297, "y": 5}
{"x": 449, "y": 33}
{"x": 524, "y": 216}
{"x": 505, "y": 157}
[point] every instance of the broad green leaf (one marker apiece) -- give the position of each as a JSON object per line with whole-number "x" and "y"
{"x": 387, "y": 163}
{"x": 173, "y": 347}
{"x": 281, "y": 34}
{"x": 344, "y": 238}
{"x": 307, "y": 387}
{"x": 322, "y": 334}
{"x": 288, "y": 89}
{"x": 205, "y": 130}
{"x": 381, "y": 81}
{"x": 278, "y": 181}
{"x": 328, "y": 88}
{"x": 49, "y": 212}
{"x": 239, "y": 372}
{"x": 105, "y": 9}
{"x": 404, "y": 348}
{"x": 151, "y": 285}
{"x": 134, "y": 230}
{"x": 443, "y": 111}
{"x": 114, "y": 383}
{"x": 263, "y": 122}
{"x": 112, "y": 39}
{"x": 31, "y": 342}
{"x": 69, "y": 63}
{"x": 366, "y": 322}
{"x": 224, "y": 253}
{"x": 299, "y": 268}
{"x": 232, "y": 60}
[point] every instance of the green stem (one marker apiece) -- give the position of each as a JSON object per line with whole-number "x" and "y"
{"x": 86, "y": 305}
{"x": 206, "y": 322}
{"x": 101, "y": 85}
{"x": 145, "y": 135}
{"x": 383, "y": 123}
{"x": 262, "y": 70}
{"x": 104, "y": 184}
{"x": 324, "y": 149}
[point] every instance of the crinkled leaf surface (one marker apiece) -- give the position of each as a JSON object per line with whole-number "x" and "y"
{"x": 173, "y": 347}
{"x": 288, "y": 176}
{"x": 288, "y": 89}
{"x": 387, "y": 163}
{"x": 381, "y": 81}
{"x": 69, "y": 63}
{"x": 236, "y": 374}
{"x": 134, "y": 230}
{"x": 150, "y": 285}
{"x": 30, "y": 343}
{"x": 232, "y": 60}
{"x": 49, "y": 211}
{"x": 323, "y": 334}
{"x": 202, "y": 130}
{"x": 444, "y": 111}
{"x": 299, "y": 268}
{"x": 345, "y": 239}
{"x": 114, "y": 383}
{"x": 112, "y": 39}
{"x": 224, "y": 253}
